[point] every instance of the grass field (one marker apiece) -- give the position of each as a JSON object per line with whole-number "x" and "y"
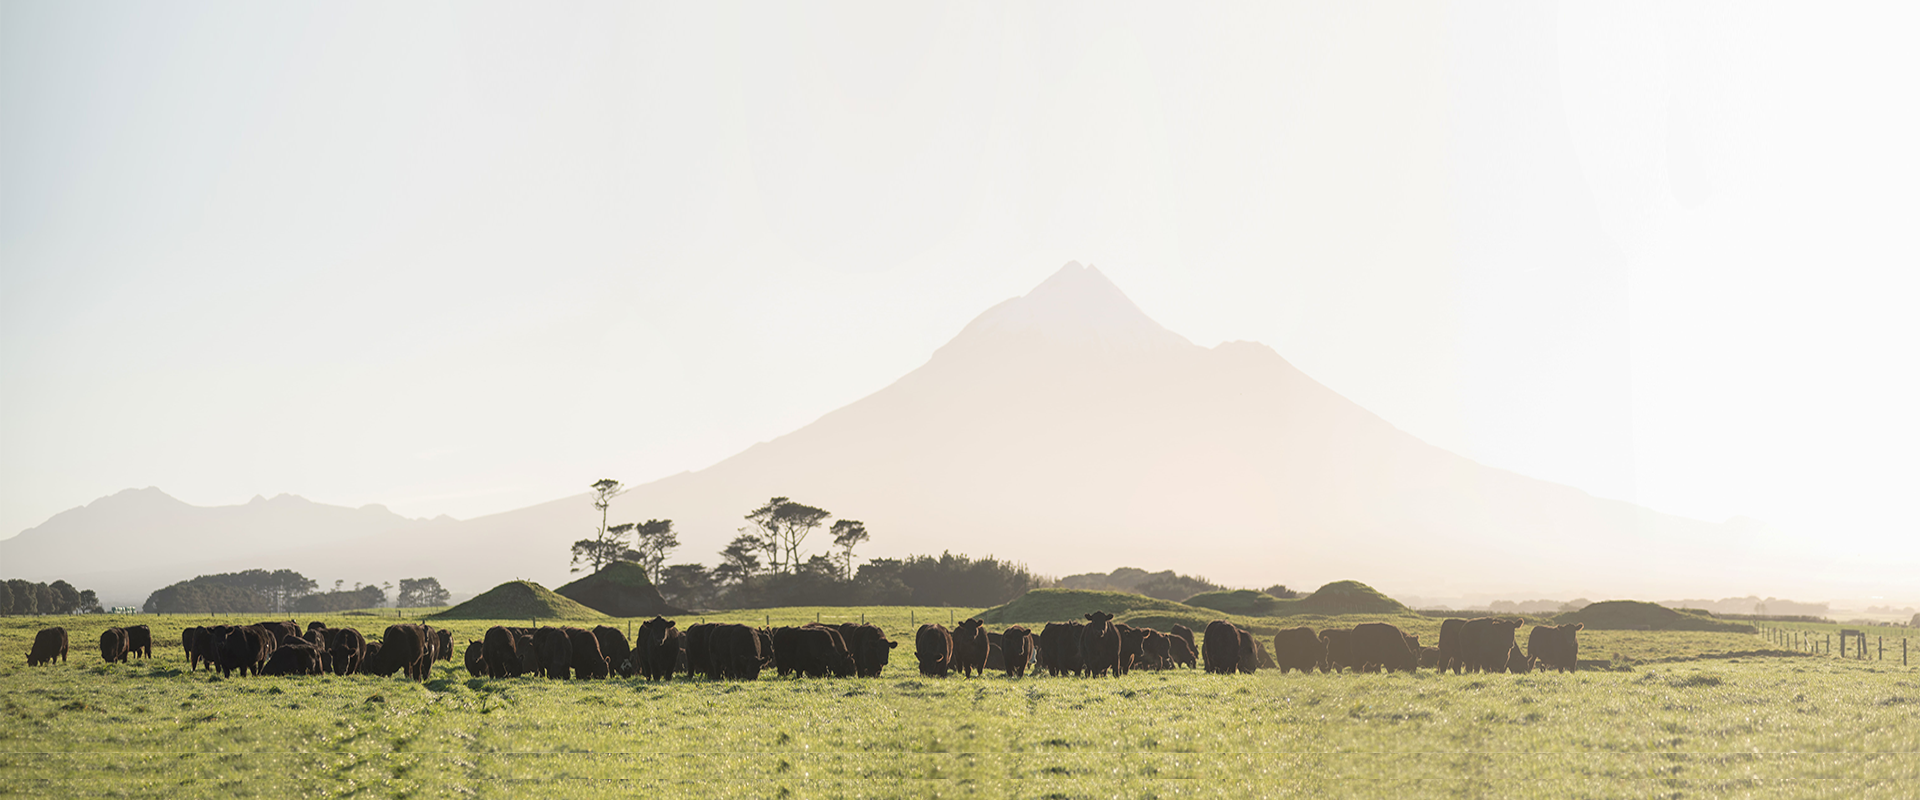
{"x": 1716, "y": 725}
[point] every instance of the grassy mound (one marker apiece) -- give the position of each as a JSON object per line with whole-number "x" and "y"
{"x": 621, "y": 589}
{"x": 517, "y": 600}
{"x": 1333, "y": 599}
{"x": 1633, "y": 615}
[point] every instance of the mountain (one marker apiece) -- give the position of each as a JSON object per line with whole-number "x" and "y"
{"x": 128, "y": 544}
{"x": 1068, "y": 430}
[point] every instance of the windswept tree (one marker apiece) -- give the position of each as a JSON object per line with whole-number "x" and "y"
{"x": 608, "y": 544}
{"x": 421, "y": 592}
{"x": 782, "y": 525}
{"x": 738, "y": 561}
{"x": 848, "y": 534}
{"x": 655, "y": 539}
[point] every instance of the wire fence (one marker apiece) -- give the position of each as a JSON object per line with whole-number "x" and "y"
{"x": 1848, "y": 643}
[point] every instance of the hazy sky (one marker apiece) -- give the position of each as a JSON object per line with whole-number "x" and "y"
{"x": 463, "y": 257}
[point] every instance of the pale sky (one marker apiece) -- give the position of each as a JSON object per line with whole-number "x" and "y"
{"x": 459, "y": 258}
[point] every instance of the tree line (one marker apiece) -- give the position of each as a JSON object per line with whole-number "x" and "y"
{"x": 25, "y": 597}
{"x": 259, "y": 591}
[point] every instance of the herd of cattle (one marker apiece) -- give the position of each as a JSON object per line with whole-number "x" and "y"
{"x": 721, "y": 651}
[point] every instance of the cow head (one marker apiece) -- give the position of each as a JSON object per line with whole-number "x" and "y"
{"x": 1099, "y": 618}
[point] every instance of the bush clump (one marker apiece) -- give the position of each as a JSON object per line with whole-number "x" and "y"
{"x": 1634, "y": 615}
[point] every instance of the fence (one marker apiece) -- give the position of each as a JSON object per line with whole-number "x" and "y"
{"x": 1853, "y": 644}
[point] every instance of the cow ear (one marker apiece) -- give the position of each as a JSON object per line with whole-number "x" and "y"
{"x": 891, "y": 645}
{"x": 1579, "y": 626}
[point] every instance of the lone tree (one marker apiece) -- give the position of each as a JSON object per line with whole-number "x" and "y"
{"x": 608, "y": 544}
{"x": 783, "y": 524}
{"x": 421, "y": 592}
{"x": 656, "y": 539}
{"x": 848, "y": 534}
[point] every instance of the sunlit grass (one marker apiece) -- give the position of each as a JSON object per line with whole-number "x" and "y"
{"x": 1730, "y": 726}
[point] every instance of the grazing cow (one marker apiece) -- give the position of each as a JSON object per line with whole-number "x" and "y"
{"x": 588, "y": 661}
{"x": 656, "y": 648}
{"x": 1260, "y": 654}
{"x": 139, "y": 641}
{"x": 1450, "y": 654}
{"x": 294, "y": 656}
{"x": 279, "y": 630}
{"x": 870, "y": 648}
{"x": 500, "y": 652}
{"x": 404, "y": 648}
{"x": 1338, "y": 643}
{"x": 1016, "y": 648}
{"x": 1250, "y": 651}
{"x": 996, "y": 656}
{"x": 786, "y": 650}
{"x": 1556, "y": 646}
{"x": 1298, "y": 648}
{"x": 1100, "y": 645}
{"x": 613, "y": 645}
{"x": 244, "y": 649}
{"x": 1156, "y": 650}
{"x": 700, "y": 651}
{"x": 933, "y": 645}
{"x": 347, "y": 649}
{"x": 553, "y": 653}
{"x": 816, "y": 651}
{"x": 48, "y": 644}
{"x": 1519, "y": 663}
{"x": 442, "y": 643}
{"x": 476, "y": 657}
{"x": 970, "y": 648}
{"x": 1133, "y": 643}
{"x": 317, "y": 639}
{"x": 1060, "y": 648}
{"x": 113, "y": 645}
{"x": 1430, "y": 658}
{"x": 1182, "y": 653}
{"x": 1184, "y": 632}
{"x": 736, "y": 652}
{"x": 1485, "y": 641}
{"x": 1222, "y": 647}
{"x": 1374, "y": 646}
{"x": 205, "y": 650}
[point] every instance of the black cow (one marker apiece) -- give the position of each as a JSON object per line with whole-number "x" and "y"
{"x": 1181, "y": 652}
{"x": 588, "y": 661}
{"x": 1156, "y": 650}
{"x": 1184, "y": 632}
{"x": 500, "y": 653}
{"x": 279, "y": 630}
{"x": 1016, "y": 649}
{"x": 700, "y": 650}
{"x": 816, "y": 651}
{"x": 613, "y": 645}
{"x": 870, "y": 647}
{"x": 1298, "y": 648}
{"x": 1100, "y": 645}
{"x": 656, "y": 649}
{"x": 1556, "y": 646}
{"x": 113, "y": 645}
{"x": 1132, "y": 647}
{"x": 553, "y": 653}
{"x": 1250, "y": 652}
{"x": 1377, "y": 645}
{"x": 347, "y": 649}
{"x": 1450, "y": 655}
{"x": 1485, "y": 642}
{"x": 1339, "y": 645}
{"x": 1519, "y": 663}
{"x": 1222, "y": 647}
{"x": 139, "y": 641}
{"x": 1060, "y": 648}
{"x": 476, "y": 658}
{"x": 404, "y": 648}
{"x": 736, "y": 652}
{"x": 933, "y": 646}
{"x": 970, "y": 648}
{"x": 294, "y": 656}
{"x": 187, "y": 636}
{"x": 244, "y": 648}
{"x": 48, "y": 644}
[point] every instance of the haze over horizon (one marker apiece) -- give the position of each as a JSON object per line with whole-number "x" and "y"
{"x": 464, "y": 260}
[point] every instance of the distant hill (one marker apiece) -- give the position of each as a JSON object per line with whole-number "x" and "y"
{"x": 126, "y": 545}
{"x": 519, "y": 600}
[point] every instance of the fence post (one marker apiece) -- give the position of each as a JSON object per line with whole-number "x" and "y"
{"x": 1843, "y": 645}
{"x": 1830, "y": 644}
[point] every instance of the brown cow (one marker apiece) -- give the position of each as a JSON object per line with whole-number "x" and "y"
{"x": 1298, "y": 648}
{"x": 1181, "y": 652}
{"x": 970, "y": 648}
{"x": 48, "y": 644}
{"x": 113, "y": 645}
{"x": 1016, "y": 648}
{"x": 1222, "y": 647}
{"x": 933, "y": 646}
{"x": 1556, "y": 646}
{"x": 1156, "y": 651}
{"x": 347, "y": 649}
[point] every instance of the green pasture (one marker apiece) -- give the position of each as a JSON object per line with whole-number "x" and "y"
{"x": 1682, "y": 715}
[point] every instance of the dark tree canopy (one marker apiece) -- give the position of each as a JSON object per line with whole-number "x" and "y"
{"x": 421, "y": 593}
{"x": 248, "y": 591}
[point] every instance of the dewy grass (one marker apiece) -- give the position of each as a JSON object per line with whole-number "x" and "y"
{"x": 1750, "y": 726}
